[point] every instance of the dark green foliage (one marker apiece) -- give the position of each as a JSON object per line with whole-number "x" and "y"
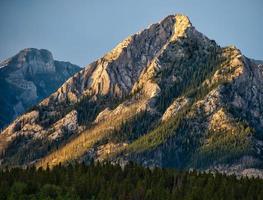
{"x": 183, "y": 143}
{"x": 158, "y": 135}
{"x": 88, "y": 109}
{"x": 25, "y": 148}
{"x": 186, "y": 149}
{"x": 189, "y": 72}
{"x": 226, "y": 147}
{"x": 45, "y": 119}
{"x": 105, "y": 181}
{"x": 134, "y": 128}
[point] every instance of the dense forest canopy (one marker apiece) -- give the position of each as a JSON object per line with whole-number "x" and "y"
{"x": 107, "y": 181}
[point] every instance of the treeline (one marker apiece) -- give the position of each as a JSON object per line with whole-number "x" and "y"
{"x": 106, "y": 181}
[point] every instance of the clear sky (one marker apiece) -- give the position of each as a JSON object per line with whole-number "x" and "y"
{"x": 81, "y": 31}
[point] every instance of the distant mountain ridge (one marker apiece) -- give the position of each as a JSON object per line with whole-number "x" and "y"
{"x": 27, "y": 78}
{"x": 258, "y": 62}
{"x": 166, "y": 96}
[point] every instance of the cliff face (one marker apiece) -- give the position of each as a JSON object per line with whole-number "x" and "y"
{"x": 166, "y": 96}
{"x": 27, "y": 78}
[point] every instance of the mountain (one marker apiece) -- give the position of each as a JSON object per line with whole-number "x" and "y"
{"x": 27, "y": 78}
{"x": 258, "y": 62}
{"x": 167, "y": 96}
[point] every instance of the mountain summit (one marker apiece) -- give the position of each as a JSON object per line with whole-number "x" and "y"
{"x": 166, "y": 96}
{"x": 27, "y": 78}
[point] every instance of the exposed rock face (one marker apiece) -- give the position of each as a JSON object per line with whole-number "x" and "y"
{"x": 174, "y": 108}
{"x": 27, "y": 78}
{"x": 116, "y": 73}
{"x": 166, "y": 96}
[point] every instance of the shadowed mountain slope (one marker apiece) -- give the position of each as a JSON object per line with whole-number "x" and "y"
{"x": 27, "y": 78}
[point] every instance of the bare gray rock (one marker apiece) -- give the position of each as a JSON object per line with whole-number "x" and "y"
{"x": 27, "y": 78}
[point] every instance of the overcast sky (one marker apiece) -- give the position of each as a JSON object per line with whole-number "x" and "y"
{"x": 81, "y": 31}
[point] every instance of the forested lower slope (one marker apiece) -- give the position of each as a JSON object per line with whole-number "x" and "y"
{"x": 105, "y": 181}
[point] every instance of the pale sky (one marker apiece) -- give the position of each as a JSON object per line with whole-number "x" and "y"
{"x": 81, "y": 31}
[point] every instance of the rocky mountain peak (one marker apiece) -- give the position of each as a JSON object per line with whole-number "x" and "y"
{"x": 27, "y": 78}
{"x": 117, "y": 72}
{"x": 181, "y": 25}
{"x": 30, "y": 61}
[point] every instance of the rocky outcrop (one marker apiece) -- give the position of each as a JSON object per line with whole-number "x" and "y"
{"x": 27, "y": 78}
{"x": 175, "y": 107}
